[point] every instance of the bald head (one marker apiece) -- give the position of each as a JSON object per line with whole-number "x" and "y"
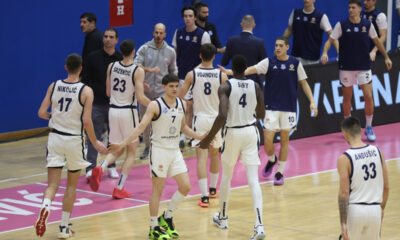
{"x": 159, "y": 27}
{"x": 159, "y": 34}
{"x": 248, "y": 22}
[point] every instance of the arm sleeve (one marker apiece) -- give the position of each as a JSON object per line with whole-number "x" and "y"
{"x": 337, "y": 31}
{"x": 262, "y": 67}
{"x": 301, "y": 74}
{"x": 205, "y": 38}
{"x": 325, "y": 24}
{"x": 381, "y": 21}
{"x": 372, "y": 32}
{"x": 291, "y": 18}
{"x": 174, "y": 39}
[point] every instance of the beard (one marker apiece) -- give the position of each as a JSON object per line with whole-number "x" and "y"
{"x": 203, "y": 19}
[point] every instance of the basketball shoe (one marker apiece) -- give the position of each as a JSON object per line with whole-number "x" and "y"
{"x": 278, "y": 179}
{"x": 268, "y": 167}
{"x": 168, "y": 225}
{"x": 120, "y": 194}
{"x": 158, "y": 233}
{"x": 259, "y": 233}
{"x": 213, "y": 192}
{"x": 66, "y": 232}
{"x": 95, "y": 179}
{"x": 41, "y": 222}
{"x": 220, "y": 222}
{"x": 204, "y": 201}
{"x": 370, "y": 134}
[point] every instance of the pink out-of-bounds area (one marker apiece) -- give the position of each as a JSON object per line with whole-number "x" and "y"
{"x": 19, "y": 205}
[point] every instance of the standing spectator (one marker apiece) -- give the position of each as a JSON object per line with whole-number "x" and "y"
{"x": 187, "y": 42}
{"x": 94, "y": 75}
{"x": 94, "y": 37}
{"x": 157, "y": 59}
{"x": 364, "y": 186}
{"x": 354, "y": 60}
{"x": 307, "y": 26}
{"x": 201, "y": 21}
{"x": 378, "y": 19}
{"x": 246, "y": 44}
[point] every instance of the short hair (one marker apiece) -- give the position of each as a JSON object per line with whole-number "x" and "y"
{"x": 239, "y": 64}
{"x": 73, "y": 63}
{"x": 169, "y": 78}
{"x": 127, "y": 47}
{"x": 112, "y": 30}
{"x": 199, "y": 5}
{"x": 352, "y": 126}
{"x": 207, "y": 51}
{"x": 188, "y": 8}
{"x": 285, "y": 39}
{"x": 358, "y": 2}
{"x": 248, "y": 21}
{"x": 90, "y": 16}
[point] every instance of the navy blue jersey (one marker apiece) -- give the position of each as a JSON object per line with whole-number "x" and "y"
{"x": 307, "y": 34}
{"x": 188, "y": 50}
{"x": 280, "y": 92}
{"x": 354, "y": 45}
{"x": 372, "y": 16}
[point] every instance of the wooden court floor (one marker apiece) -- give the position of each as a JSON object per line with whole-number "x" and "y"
{"x": 304, "y": 208}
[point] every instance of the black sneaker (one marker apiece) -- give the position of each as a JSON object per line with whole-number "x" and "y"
{"x": 213, "y": 192}
{"x": 204, "y": 201}
{"x": 279, "y": 179}
{"x": 268, "y": 167}
{"x": 145, "y": 153}
{"x": 168, "y": 225}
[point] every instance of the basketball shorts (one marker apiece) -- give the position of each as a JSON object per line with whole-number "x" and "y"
{"x": 350, "y": 78}
{"x": 66, "y": 151}
{"x": 122, "y": 121}
{"x": 364, "y": 221}
{"x": 166, "y": 162}
{"x": 189, "y": 94}
{"x": 203, "y": 124}
{"x": 243, "y": 141}
{"x": 279, "y": 120}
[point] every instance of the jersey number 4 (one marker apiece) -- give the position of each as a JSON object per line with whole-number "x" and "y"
{"x": 369, "y": 175}
{"x": 116, "y": 86}
{"x": 61, "y": 102}
{"x": 242, "y": 100}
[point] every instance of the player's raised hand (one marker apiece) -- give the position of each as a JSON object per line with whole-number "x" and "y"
{"x": 324, "y": 58}
{"x": 115, "y": 147}
{"x": 99, "y": 146}
{"x": 226, "y": 71}
{"x": 313, "y": 109}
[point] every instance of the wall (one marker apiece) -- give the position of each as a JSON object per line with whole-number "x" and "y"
{"x": 38, "y": 35}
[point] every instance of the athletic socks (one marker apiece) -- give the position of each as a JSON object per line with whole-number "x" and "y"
{"x": 173, "y": 205}
{"x": 346, "y": 116}
{"x": 104, "y": 165}
{"x": 213, "y": 180}
{"x": 46, "y": 202}
{"x": 203, "y": 187}
{"x": 271, "y": 158}
{"x": 368, "y": 120}
{"x": 65, "y": 218}
{"x": 122, "y": 180}
{"x": 281, "y": 166}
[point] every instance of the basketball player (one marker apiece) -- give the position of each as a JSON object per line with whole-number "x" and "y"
{"x": 124, "y": 87}
{"x": 283, "y": 74}
{"x": 167, "y": 117}
{"x": 364, "y": 186}
{"x": 354, "y": 36}
{"x": 71, "y": 110}
{"x": 204, "y": 83}
{"x": 240, "y": 99}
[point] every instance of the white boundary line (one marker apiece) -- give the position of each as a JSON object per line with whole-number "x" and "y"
{"x": 188, "y": 196}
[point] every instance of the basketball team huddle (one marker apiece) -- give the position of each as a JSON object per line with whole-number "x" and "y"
{"x": 227, "y": 106}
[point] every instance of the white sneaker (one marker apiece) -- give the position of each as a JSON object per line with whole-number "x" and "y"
{"x": 259, "y": 233}
{"x": 65, "y": 232}
{"x": 88, "y": 175}
{"x": 220, "y": 222}
{"x": 112, "y": 173}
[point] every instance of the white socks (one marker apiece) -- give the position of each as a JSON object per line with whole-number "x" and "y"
{"x": 104, "y": 165}
{"x": 122, "y": 180}
{"x": 203, "y": 187}
{"x": 252, "y": 181}
{"x": 368, "y": 120}
{"x": 271, "y": 158}
{"x": 153, "y": 222}
{"x": 65, "y": 218}
{"x": 214, "y": 180}
{"x": 173, "y": 205}
{"x": 46, "y": 202}
{"x": 281, "y": 166}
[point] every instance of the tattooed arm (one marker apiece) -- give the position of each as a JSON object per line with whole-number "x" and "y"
{"x": 343, "y": 166}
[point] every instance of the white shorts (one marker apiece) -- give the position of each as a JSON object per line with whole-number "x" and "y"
{"x": 305, "y": 62}
{"x": 66, "y": 151}
{"x": 122, "y": 121}
{"x": 189, "y": 94}
{"x": 166, "y": 162}
{"x": 364, "y": 221}
{"x": 278, "y": 120}
{"x": 243, "y": 141}
{"x": 350, "y": 78}
{"x": 203, "y": 124}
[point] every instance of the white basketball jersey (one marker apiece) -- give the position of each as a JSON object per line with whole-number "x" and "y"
{"x": 242, "y": 103}
{"x": 166, "y": 128}
{"x": 366, "y": 179}
{"x": 122, "y": 85}
{"x": 66, "y": 107}
{"x": 206, "y": 82}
